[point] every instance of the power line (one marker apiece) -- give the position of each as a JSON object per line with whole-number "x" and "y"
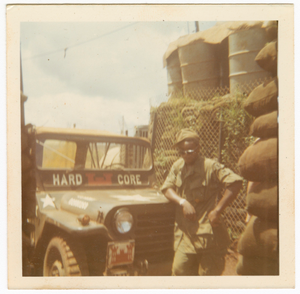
{"x": 78, "y": 44}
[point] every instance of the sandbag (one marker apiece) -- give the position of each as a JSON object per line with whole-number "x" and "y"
{"x": 265, "y": 126}
{"x": 262, "y": 201}
{"x": 260, "y": 238}
{"x": 263, "y": 99}
{"x": 259, "y": 162}
{"x": 267, "y": 58}
{"x": 248, "y": 266}
{"x": 271, "y": 28}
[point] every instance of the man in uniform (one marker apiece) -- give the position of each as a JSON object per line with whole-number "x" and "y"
{"x": 194, "y": 183}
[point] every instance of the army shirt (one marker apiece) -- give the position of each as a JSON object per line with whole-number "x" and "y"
{"x": 200, "y": 185}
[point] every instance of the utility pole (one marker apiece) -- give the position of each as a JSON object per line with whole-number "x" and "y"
{"x": 21, "y": 74}
{"x": 197, "y": 26}
{"x": 23, "y": 98}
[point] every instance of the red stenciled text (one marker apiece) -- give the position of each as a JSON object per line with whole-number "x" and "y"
{"x": 105, "y": 179}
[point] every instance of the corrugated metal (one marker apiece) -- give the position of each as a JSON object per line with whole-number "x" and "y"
{"x": 199, "y": 66}
{"x": 174, "y": 74}
{"x": 243, "y": 48}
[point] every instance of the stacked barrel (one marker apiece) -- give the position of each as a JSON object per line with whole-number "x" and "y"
{"x": 174, "y": 76}
{"x": 258, "y": 246}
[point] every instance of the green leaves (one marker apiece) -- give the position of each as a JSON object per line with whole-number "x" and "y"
{"x": 236, "y": 125}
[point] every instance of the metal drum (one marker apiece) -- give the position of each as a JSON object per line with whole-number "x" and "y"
{"x": 200, "y": 69}
{"x": 244, "y": 73}
{"x": 222, "y": 54}
{"x": 174, "y": 75}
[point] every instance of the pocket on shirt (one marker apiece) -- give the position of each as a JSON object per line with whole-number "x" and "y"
{"x": 198, "y": 191}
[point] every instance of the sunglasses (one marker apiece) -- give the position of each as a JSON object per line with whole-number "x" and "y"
{"x": 187, "y": 152}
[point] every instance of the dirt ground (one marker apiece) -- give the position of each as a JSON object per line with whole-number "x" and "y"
{"x": 231, "y": 260}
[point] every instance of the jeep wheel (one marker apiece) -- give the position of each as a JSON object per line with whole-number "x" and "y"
{"x": 63, "y": 258}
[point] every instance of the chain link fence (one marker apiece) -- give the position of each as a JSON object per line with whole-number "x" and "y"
{"x": 222, "y": 125}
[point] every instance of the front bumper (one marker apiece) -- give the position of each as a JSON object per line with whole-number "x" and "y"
{"x": 121, "y": 261}
{"x": 141, "y": 269}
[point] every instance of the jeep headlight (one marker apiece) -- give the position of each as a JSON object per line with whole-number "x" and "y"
{"x": 123, "y": 221}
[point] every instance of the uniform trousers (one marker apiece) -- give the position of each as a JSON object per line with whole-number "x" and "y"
{"x": 204, "y": 263}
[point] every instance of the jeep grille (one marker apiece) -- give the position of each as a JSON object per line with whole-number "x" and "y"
{"x": 154, "y": 234}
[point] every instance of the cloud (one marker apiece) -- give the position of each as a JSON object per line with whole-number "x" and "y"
{"x": 66, "y": 109}
{"x": 125, "y": 64}
{"x": 100, "y": 77}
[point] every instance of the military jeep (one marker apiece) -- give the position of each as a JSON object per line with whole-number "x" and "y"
{"x": 90, "y": 205}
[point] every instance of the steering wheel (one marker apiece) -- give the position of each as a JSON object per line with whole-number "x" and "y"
{"x": 121, "y": 165}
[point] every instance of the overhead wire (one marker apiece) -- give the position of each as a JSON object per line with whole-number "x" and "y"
{"x": 78, "y": 44}
{"x": 87, "y": 41}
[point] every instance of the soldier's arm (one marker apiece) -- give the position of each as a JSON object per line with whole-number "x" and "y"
{"x": 188, "y": 209}
{"x": 229, "y": 195}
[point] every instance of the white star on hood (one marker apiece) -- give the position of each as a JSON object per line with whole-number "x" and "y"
{"x": 47, "y": 201}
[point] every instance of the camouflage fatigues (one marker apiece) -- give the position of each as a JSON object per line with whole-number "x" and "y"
{"x": 200, "y": 186}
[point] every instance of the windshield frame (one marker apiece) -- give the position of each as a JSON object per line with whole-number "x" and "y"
{"x": 81, "y": 140}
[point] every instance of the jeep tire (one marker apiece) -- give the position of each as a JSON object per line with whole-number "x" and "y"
{"x": 64, "y": 258}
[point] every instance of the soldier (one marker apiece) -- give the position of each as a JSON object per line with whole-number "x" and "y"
{"x": 193, "y": 183}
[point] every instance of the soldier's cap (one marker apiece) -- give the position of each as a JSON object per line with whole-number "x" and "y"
{"x": 186, "y": 134}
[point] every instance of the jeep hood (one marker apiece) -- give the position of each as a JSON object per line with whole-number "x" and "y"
{"x": 97, "y": 204}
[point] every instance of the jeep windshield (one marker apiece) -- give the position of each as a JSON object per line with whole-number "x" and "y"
{"x": 86, "y": 159}
{"x": 92, "y": 155}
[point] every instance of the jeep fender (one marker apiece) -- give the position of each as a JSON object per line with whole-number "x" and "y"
{"x": 69, "y": 223}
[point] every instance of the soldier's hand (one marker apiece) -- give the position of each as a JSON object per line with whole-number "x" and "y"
{"x": 214, "y": 218}
{"x": 189, "y": 211}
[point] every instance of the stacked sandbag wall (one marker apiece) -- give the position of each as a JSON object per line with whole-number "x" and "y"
{"x": 258, "y": 246}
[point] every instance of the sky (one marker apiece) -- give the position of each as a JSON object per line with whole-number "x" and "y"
{"x": 93, "y": 75}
